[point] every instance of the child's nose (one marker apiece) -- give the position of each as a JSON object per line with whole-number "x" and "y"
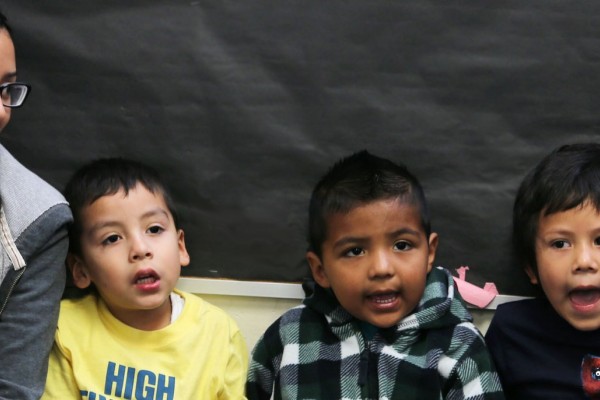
{"x": 140, "y": 249}
{"x": 587, "y": 258}
{"x": 381, "y": 266}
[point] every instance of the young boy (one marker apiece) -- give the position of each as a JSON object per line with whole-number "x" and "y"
{"x": 380, "y": 323}
{"x": 134, "y": 335}
{"x": 549, "y": 347}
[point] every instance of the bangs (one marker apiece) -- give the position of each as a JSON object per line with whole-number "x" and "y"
{"x": 565, "y": 194}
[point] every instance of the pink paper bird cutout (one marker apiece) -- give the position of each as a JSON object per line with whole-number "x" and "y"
{"x": 472, "y": 294}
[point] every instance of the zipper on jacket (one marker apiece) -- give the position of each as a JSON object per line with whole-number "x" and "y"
{"x": 12, "y": 287}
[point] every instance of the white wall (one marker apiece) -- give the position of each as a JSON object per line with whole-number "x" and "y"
{"x": 255, "y": 314}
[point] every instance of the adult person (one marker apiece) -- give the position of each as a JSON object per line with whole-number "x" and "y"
{"x": 34, "y": 218}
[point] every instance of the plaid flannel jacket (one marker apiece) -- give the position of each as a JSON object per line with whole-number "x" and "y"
{"x": 317, "y": 351}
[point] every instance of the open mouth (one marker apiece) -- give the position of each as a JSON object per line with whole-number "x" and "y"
{"x": 383, "y": 298}
{"x": 584, "y": 298}
{"x": 145, "y": 280}
{"x": 146, "y": 277}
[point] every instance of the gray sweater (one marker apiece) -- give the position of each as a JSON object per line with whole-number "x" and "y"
{"x": 34, "y": 219}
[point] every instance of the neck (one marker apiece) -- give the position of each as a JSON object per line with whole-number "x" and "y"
{"x": 145, "y": 320}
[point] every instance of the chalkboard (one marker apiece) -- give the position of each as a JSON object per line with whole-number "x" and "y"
{"x": 244, "y": 105}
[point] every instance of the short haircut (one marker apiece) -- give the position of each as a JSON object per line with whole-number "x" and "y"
{"x": 564, "y": 179}
{"x": 105, "y": 177}
{"x": 359, "y": 179}
{"x": 4, "y": 23}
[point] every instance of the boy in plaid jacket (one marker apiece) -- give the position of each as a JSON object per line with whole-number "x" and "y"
{"x": 378, "y": 321}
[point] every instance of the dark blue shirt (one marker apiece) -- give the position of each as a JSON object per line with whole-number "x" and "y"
{"x": 539, "y": 355}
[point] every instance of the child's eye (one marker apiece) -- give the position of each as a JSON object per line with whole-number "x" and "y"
{"x": 402, "y": 246}
{"x": 155, "y": 229}
{"x": 111, "y": 239}
{"x": 597, "y": 241}
{"x": 353, "y": 252}
{"x": 560, "y": 244}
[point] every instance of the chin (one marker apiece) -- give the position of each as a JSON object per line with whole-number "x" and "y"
{"x": 585, "y": 325}
{"x": 386, "y": 323}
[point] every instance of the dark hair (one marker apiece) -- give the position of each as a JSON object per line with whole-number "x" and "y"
{"x": 564, "y": 179}
{"x": 356, "y": 180}
{"x": 106, "y": 177}
{"x": 4, "y": 23}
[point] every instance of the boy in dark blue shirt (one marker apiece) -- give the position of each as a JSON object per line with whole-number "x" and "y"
{"x": 549, "y": 347}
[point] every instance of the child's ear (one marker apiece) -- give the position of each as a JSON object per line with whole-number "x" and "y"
{"x": 184, "y": 257}
{"x": 81, "y": 279}
{"x": 433, "y": 243}
{"x": 316, "y": 267}
{"x": 532, "y": 275}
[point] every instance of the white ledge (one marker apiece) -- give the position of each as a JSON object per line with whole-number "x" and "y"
{"x": 277, "y": 290}
{"x": 229, "y": 287}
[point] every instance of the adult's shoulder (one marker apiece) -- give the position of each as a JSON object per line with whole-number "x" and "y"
{"x": 21, "y": 181}
{"x": 27, "y": 198}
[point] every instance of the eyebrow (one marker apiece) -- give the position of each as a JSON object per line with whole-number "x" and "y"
{"x": 559, "y": 231}
{"x": 405, "y": 231}
{"x": 358, "y": 239}
{"x": 156, "y": 211}
{"x": 9, "y": 75}
{"x": 565, "y": 231}
{"x": 111, "y": 223}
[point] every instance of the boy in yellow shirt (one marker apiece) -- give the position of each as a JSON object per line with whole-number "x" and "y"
{"x": 133, "y": 335}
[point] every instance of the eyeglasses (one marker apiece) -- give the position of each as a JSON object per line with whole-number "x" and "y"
{"x": 14, "y": 94}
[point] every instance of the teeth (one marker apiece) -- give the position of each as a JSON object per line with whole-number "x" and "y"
{"x": 145, "y": 280}
{"x": 384, "y": 299}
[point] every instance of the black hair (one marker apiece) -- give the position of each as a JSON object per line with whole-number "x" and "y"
{"x": 4, "y": 23}
{"x": 564, "y": 179}
{"x": 105, "y": 177}
{"x": 356, "y": 180}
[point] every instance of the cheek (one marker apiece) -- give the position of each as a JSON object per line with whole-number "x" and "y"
{"x": 344, "y": 284}
{"x": 416, "y": 286}
{"x": 541, "y": 257}
{"x": 4, "y": 117}
{"x": 549, "y": 279}
{"x": 106, "y": 279}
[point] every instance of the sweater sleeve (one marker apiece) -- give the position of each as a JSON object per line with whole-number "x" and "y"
{"x": 472, "y": 376}
{"x": 29, "y": 319}
{"x": 259, "y": 384}
{"x": 263, "y": 371}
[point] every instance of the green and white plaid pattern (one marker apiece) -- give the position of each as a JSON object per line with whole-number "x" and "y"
{"x": 317, "y": 351}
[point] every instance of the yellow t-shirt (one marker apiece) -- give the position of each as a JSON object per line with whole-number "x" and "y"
{"x": 202, "y": 355}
